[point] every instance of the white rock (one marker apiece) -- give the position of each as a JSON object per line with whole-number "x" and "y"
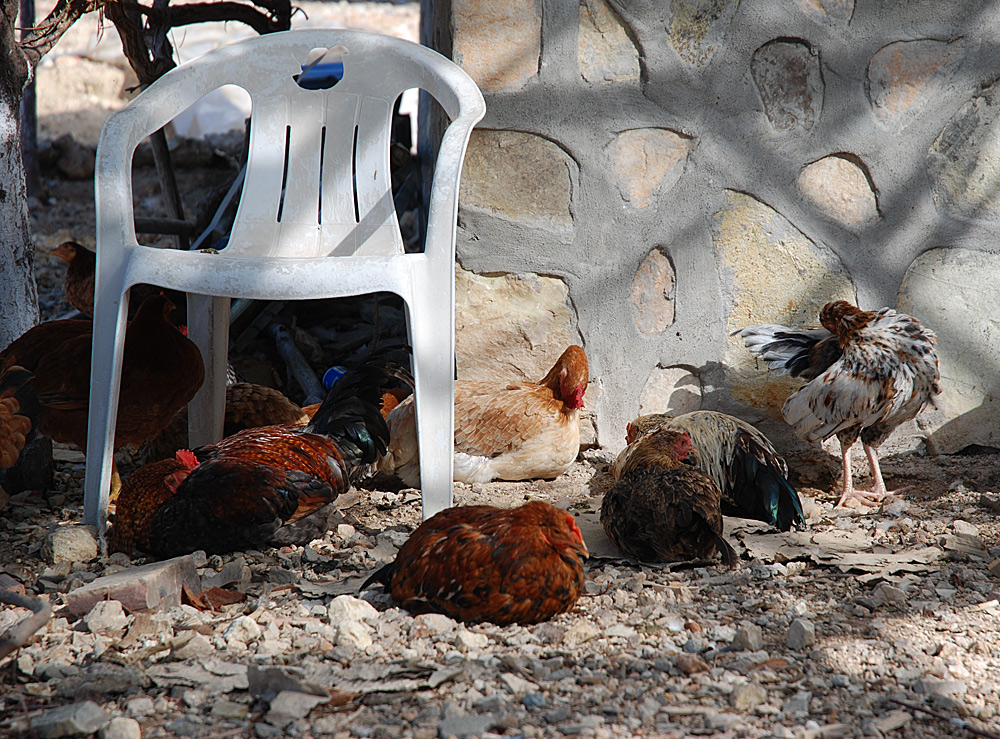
{"x": 801, "y": 633}
{"x": 431, "y": 624}
{"x": 70, "y": 544}
{"x": 244, "y": 629}
{"x": 348, "y": 608}
{"x": 581, "y": 632}
{"x": 106, "y": 615}
{"x": 121, "y": 727}
{"x": 354, "y": 634}
{"x": 470, "y": 640}
{"x": 140, "y": 706}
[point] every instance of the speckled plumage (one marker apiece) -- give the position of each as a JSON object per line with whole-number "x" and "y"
{"x": 664, "y": 508}
{"x": 518, "y": 431}
{"x": 480, "y": 563}
{"x": 750, "y": 473}
{"x": 868, "y": 372}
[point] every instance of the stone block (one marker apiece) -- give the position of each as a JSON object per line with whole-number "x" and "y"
{"x": 76, "y": 719}
{"x": 841, "y": 189}
{"x": 156, "y": 586}
{"x": 498, "y": 44}
{"x": 953, "y": 292}
{"x": 652, "y": 295}
{"x": 520, "y": 177}
{"x": 606, "y": 54}
{"x": 673, "y": 390}
{"x": 647, "y": 162}
{"x": 963, "y": 163}
{"x": 511, "y": 327}
{"x": 788, "y": 80}
{"x": 70, "y": 544}
{"x": 775, "y": 274}
{"x": 698, "y": 27}
{"x": 903, "y": 77}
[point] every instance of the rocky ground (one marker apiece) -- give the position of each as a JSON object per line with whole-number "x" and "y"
{"x": 845, "y": 629}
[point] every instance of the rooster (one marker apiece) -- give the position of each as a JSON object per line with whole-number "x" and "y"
{"x": 750, "y": 473}
{"x": 236, "y": 493}
{"x": 480, "y": 563}
{"x": 867, "y": 372}
{"x": 518, "y": 431}
{"x": 161, "y": 371}
{"x": 663, "y": 507}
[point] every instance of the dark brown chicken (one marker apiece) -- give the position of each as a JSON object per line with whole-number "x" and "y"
{"x": 161, "y": 371}
{"x": 247, "y": 406}
{"x": 80, "y": 279}
{"x": 176, "y": 506}
{"x": 664, "y": 509}
{"x": 867, "y": 372}
{"x": 750, "y": 473}
{"x": 237, "y": 492}
{"x": 480, "y": 563}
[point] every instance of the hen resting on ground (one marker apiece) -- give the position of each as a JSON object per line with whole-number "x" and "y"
{"x": 480, "y": 563}
{"x": 519, "y": 431}
{"x": 867, "y": 372}
{"x": 750, "y": 473}
{"x": 663, "y": 508}
{"x": 236, "y": 493}
{"x": 161, "y": 371}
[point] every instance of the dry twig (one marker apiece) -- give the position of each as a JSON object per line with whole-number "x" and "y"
{"x": 960, "y": 723}
{"x": 17, "y": 636}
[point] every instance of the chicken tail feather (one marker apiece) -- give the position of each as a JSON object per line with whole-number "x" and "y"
{"x": 726, "y": 551}
{"x": 379, "y": 577}
{"x": 761, "y": 492}
{"x": 351, "y": 413}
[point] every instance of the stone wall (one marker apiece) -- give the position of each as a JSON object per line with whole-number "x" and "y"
{"x": 652, "y": 175}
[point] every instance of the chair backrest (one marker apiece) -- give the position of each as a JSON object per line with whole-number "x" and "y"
{"x": 317, "y": 181}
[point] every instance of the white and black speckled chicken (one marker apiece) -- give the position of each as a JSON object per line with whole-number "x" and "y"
{"x": 867, "y": 372}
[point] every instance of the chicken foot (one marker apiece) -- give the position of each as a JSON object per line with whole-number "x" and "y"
{"x": 869, "y": 498}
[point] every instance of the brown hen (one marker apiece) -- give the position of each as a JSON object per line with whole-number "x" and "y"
{"x": 663, "y": 509}
{"x": 480, "y": 563}
{"x": 867, "y": 372}
{"x": 161, "y": 371}
{"x": 518, "y": 431}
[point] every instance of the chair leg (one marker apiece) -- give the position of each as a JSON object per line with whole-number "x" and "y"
{"x": 434, "y": 368}
{"x": 105, "y": 382}
{"x": 208, "y": 327}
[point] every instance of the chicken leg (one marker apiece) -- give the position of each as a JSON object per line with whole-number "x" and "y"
{"x": 864, "y": 497}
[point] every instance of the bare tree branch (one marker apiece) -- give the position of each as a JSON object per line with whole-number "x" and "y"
{"x": 17, "y": 636}
{"x": 39, "y": 40}
{"x": 277, "y": 17}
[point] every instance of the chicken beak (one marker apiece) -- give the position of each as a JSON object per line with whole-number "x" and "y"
{"x": 582, "y": 549}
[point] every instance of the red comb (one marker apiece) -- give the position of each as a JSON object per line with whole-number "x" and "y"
{"x": 186, "y": 457}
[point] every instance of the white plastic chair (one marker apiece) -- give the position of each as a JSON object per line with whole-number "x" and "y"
{"x": 315, "y": 220}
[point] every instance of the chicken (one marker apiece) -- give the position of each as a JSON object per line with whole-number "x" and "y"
{"x": 519, "y": 431}
{"x": 176, "y": 506}
{"x": 750, "y": 473}
{"x": 867, "y": 372}
{"x": 480, "y": 563}
{"x": 247, "y": 406}
{"x": 15, "y": 421}
{"x": 236, "y": 493}
{"x": 80, "y": 279}
{"x": 664, "y": 508}
{"x": 161, "y": 371}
